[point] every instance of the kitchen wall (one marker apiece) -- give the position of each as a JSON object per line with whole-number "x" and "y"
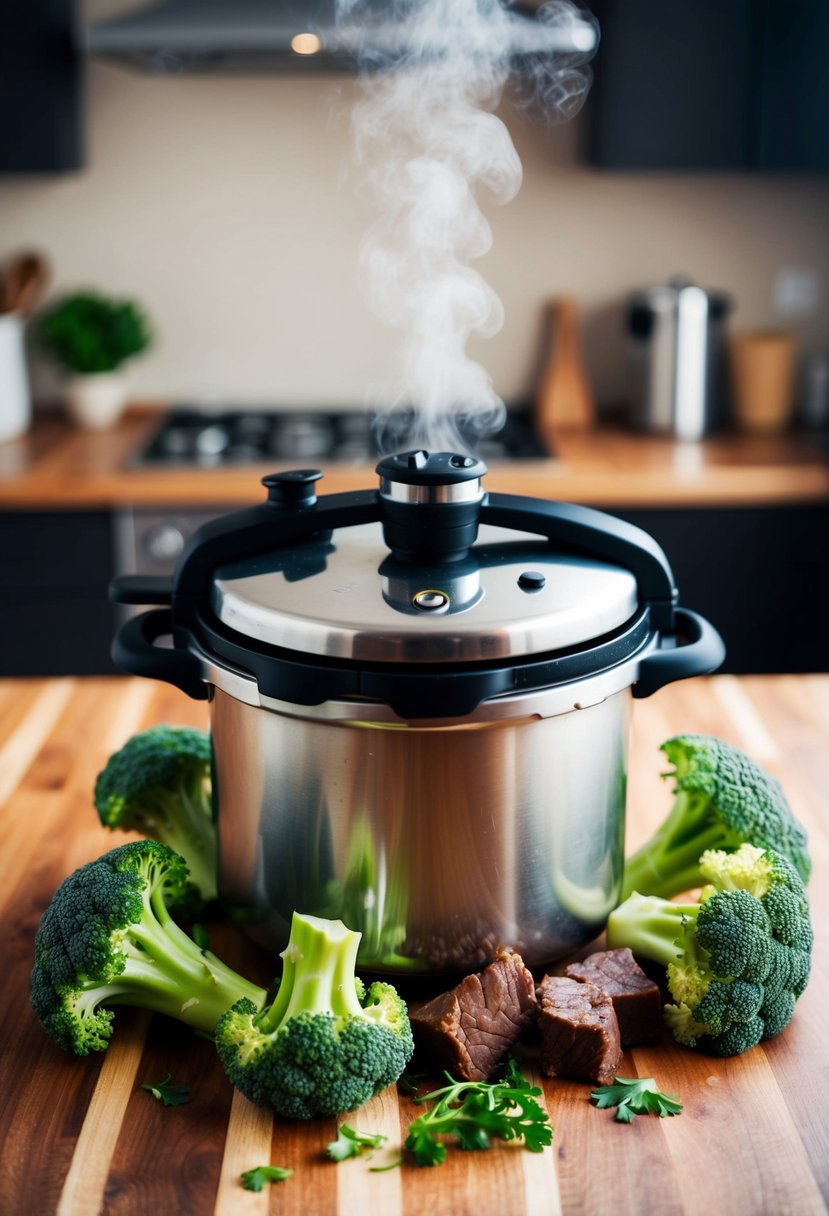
{"x": 230, "y": 207}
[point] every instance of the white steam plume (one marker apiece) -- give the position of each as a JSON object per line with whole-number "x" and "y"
{"x": 432, "y": 150}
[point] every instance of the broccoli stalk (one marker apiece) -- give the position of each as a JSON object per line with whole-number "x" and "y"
{"x": 325, "y": 1045}
{"x": 722, "y": 800}
{"x": 736, "y": 959}
{"x": 107, "y": 938}
{"x": 318, "y": 974}
{"x": 158, "y": 784}
{"x": 656, "y": 929}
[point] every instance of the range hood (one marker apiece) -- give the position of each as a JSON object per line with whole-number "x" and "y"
{"x": 176, "y": 36}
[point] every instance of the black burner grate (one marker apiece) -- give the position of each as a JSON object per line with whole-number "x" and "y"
{"x": 190, "y": 437}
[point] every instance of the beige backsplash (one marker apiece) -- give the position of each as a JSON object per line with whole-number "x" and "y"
{"x": 230, "y": 208}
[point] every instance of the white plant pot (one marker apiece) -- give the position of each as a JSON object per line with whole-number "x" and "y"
{"x": 96, "y": 401}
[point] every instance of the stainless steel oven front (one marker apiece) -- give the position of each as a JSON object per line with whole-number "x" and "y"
{"x": 150, "y": 540}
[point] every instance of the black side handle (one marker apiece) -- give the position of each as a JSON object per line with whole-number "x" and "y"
{"x": 594, "y": 533}
{"x": 134, "y": 650}
{"x": 141, "y": 589}
{"x": 701, "y": 650}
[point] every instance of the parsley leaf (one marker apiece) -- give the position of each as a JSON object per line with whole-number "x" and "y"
{"x": 635, "y": 1096}
{"x": 255, "y": 1179}
{"x": 476, "y": 1113}
{"x": 511, "y": 1074}
{"x": 351, "y": 1143}
{"x": 169, "y": 1094}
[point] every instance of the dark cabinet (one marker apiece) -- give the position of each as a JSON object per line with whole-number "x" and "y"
{"x": 55, "y": 617}
{"x": 41, "y": 80}
{"x": 713, "y": 84}
{"x": 793, "y": 131}
{"x": 759, "y": 574}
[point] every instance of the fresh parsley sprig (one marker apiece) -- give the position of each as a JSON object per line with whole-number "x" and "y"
{"x": 477, "y": 1112}
{"x": 351, "y": 1143}
{"x": 255, "y": 1179}
{"x": 169, "y": 1093}
{"x": 635, "y": 1096}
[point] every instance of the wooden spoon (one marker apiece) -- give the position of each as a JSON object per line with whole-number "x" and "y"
{"x": 24, "y": 279}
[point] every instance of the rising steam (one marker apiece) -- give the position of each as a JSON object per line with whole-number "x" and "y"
{"x": 433, "y": 151}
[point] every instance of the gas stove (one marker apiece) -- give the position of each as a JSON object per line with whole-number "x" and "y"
{"x": 191, "y": 437}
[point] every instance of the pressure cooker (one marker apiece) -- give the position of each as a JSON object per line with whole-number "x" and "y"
{"x": 419, "y": 705}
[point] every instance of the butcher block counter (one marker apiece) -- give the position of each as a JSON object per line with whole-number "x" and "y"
{"x": 58, "y": 465}
{"x": 80, "y": 1136}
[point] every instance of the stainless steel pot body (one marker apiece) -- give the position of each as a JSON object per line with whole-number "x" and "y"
{"x": 438, "y": 840}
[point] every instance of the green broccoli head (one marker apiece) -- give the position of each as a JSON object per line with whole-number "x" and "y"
{"x": 107, "y": 938}
{"x": 722, "y": 799}
{"x": 737, "y": 959}
{"x": 326, "y": 1044}
{"x": 158, "y": 784}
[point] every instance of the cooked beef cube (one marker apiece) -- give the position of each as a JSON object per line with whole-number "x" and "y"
{"x": 579, "y": 1031}
{"x": 636, "y": 999}
{"x": 470, "y": 1029}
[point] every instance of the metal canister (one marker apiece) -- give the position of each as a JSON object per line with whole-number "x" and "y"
{"x": 677, "y": 334}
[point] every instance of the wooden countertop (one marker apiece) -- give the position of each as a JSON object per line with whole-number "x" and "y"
{"x": 58, "y": 466}
{"x": 81, "y": 1137}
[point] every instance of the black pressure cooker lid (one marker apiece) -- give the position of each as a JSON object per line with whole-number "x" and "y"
{"x": 426, "y": 594}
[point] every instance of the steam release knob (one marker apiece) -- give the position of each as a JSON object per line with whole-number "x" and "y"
{"x": 430, "y": 503}
{"x": 431, "y": 477}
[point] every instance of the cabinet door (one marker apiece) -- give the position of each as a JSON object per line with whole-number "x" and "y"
{"x": 55, "y": 615}
{"x": 672, "y": 84}
{"x": 40, "y": 87}
{"x": 793, "y": 131}
{"x": 759, "y": 574}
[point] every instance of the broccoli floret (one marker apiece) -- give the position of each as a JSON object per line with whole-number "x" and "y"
{"x": 722, "y": 799}
{"x": 736, "y": 959}
{"x": 325, "y": 1045}
{"x": 158, "y": 784}
{"x": 107, "y": 938}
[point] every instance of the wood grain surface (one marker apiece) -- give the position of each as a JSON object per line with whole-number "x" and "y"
{"x": 80, "y": 1137}
{"x": 56, "y": 465}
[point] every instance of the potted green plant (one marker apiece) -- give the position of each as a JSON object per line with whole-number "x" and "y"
{"x": 90, "y": 337}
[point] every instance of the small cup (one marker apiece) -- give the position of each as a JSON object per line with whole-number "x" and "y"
{"x": 762, "y": 380}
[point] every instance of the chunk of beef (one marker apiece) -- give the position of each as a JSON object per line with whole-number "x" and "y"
{"x": 470, "y": 1029}
{"x": 579, "y": 1031}
{"x": 636, "y": 999}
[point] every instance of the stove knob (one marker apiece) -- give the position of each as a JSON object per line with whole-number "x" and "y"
{"x": 212, "y": 440}
{"x": 164, "y": 542}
